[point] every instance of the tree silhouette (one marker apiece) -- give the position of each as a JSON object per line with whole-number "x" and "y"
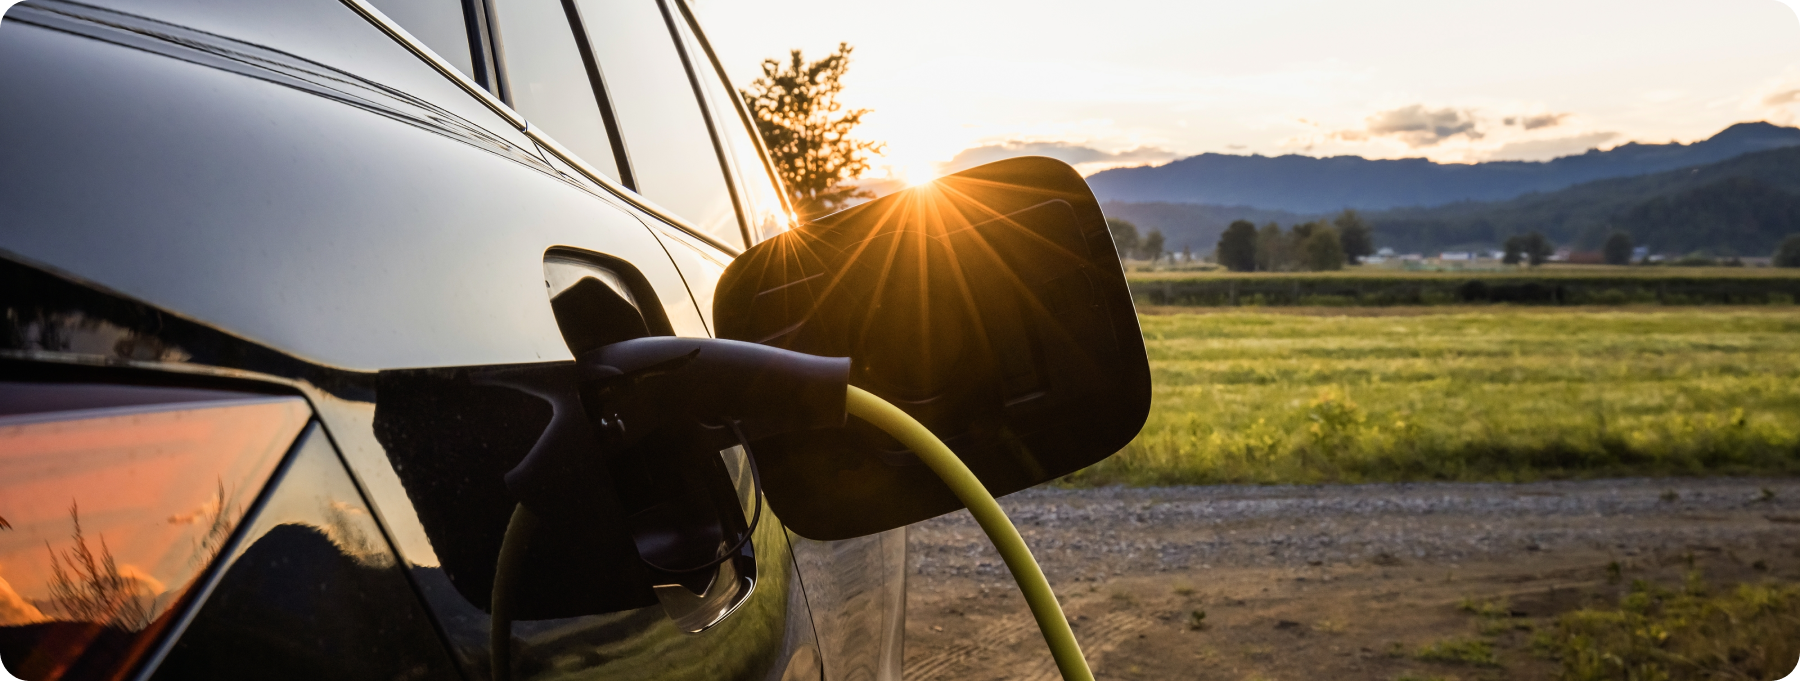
{"x": 1617, "y": 249}
{"x": 1321, "y": 250}
{"x": 1357, "y": 238}
{"x": 1124, "y": 236}
{"x": 807, "y": 130}
{"x": 1788, "y": 255}
{"x": 1152, "y": 246}
{"x": 1237, "y": 247}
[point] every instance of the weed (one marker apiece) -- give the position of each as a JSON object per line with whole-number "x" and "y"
{"x": 1615, "y": 573}
{"x": 1183, "y": 589}
{"x": 1197, "y": 620}
{"x": 1751, "y": 631}
{"x": 1488, "y": 609}
{"x": 1474, "y": 652}
{"x": 1415, "y": 676}
{"x": 1766, "y": 496}
{"x": 1124, "y": 598}
{"x": 1669, "y": 496}
{"x": 1331, "y": 626}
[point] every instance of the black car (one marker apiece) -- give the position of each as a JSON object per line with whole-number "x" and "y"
{"x": 291, "y": 286}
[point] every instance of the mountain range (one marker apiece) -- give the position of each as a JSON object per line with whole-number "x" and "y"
{"x": 1308, "y": 185}
{"x": 1740, "y": 206}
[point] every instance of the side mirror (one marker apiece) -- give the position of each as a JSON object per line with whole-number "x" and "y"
{"x": 990, "y": 305}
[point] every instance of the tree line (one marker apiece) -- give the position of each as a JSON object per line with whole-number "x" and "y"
{"x": 1315, "y": 246}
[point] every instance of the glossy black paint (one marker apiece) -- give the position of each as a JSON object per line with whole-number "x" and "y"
{"x": 990, "y": 305}
{"x": 275, "y": 193}
{"x": 312, "y": 591}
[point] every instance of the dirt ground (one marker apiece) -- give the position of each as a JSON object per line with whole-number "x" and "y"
{"x": 1345, "y": 581}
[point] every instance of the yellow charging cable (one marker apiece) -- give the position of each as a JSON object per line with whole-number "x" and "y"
{"x": 993, "y": 521}
{"x": 968, "y": 488}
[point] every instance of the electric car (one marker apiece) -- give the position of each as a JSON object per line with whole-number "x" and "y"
{"x": 292, "y": 287}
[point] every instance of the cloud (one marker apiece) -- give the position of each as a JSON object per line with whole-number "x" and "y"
{"x": 1782, "y": 98}
{"x": 1546, "y": 149}
{"x": 1538, "y": 121}
{"x": 1072, "y": 154}
{"x": 1416, "y": 126}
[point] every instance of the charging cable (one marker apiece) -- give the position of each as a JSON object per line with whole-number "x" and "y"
{"x": 968, "y": 488}
{"x": 961, "y": 481}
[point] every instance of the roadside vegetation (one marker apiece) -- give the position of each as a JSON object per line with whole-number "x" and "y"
{"x": 1694, "y": 631}
{"x": 1496, "y": 393}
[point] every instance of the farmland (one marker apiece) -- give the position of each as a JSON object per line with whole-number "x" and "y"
{"x": 1556, "y": 285}
{"x": 1497, "y": 393}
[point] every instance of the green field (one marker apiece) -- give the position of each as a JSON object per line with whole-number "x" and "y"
{"x": 1558, "y": 285}
{"x": 1485, "y": 393}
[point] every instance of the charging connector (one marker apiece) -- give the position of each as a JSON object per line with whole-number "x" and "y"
{"x": 744, "y": 392}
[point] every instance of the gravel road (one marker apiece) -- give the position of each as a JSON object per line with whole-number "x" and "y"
{"x": 1118, "y": 554}
{"x": 1086, "y": 534}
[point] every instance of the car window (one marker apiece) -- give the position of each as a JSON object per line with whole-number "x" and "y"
{"x": 549, "y": 81}
{"x": 671, "y": 152}
{"x": 757, "y": 190}
{"x": 113, "y": 502}
{"x": 440, "y": 24}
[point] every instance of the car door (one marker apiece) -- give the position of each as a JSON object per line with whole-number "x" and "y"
{"x": 295, "y": 197}
{"x": 551, "y": 58}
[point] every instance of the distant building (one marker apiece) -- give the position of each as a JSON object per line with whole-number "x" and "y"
{"x": 1639, "y": 253}
{"x": 1385, "y": 252}
{"x": 1413, "y": 256}
{"x": 1456, "y": 256}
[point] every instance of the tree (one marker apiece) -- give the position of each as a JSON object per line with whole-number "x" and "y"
{"x": 1322, "y": 250}
{"x": 1124, "y": 235}
{"x": 1617, "y": 249}
{"x": 1152, "y": 246}
{"x": 1273, "y": 249}
{"x": 1788, "y": 255}
{"x": 1237, "y": 247}
{"x": 1354, "y": 233}
{"x": 1531, "y": 247}
{"x": 808, "y": 131}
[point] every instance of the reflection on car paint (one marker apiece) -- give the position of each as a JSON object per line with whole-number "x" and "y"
{"x": 312, "y": 591}
{"x": 858, "y": 601}
{"x": 112, "y": 516}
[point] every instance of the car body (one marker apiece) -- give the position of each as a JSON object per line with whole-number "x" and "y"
{"x": 261, "y": 260}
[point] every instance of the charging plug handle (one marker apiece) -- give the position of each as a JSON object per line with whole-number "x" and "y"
{"x": 634, "y": 388}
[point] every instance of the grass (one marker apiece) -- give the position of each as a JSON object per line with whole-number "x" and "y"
{"x": 1492, "y": 393}
{"x": 1749, "y": 632}
{"x": 1548, "y": 286}
{"x": 1465, "y": 651}
{"x": 1552, "y": 270}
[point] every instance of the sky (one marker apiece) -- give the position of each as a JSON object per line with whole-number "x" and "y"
{"x": 954, "y": 83}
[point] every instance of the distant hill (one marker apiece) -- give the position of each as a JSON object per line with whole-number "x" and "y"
{"x": 1308, "y": 185}
{"x": 1742, "y": 206}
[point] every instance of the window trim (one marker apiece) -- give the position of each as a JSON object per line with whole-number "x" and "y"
{"x": 712, "y": 127}
{"x": 742, "y": 107}
{"x": 381, "y": 21}
{"x": 602, "y": 98}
